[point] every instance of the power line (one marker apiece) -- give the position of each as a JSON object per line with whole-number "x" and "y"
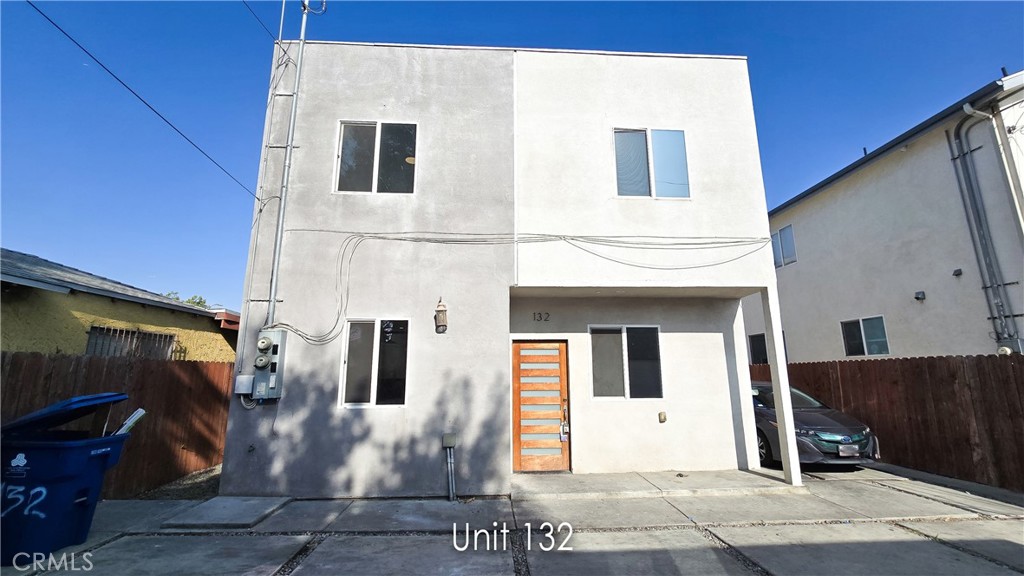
{"x": 143, "y": 100}
{"x": 260, "y": 20}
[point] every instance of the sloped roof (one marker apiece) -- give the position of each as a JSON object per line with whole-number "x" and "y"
{"x": 976, "y": 98}
{"x": 28, "y": 270}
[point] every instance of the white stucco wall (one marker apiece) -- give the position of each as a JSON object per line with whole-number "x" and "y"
{"x": 706, "y": 395}
{"x": 567, "y": 107}
{"x": 305, "y": 444}
{"x": 867, "y": 242}
{"x": 507, "y": 141}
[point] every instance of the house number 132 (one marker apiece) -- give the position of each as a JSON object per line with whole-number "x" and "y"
{"x": 541, "y": 316}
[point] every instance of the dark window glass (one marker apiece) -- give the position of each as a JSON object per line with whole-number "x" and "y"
{"x": 356, "y": 170}
{"x": 631, "y": 167}
{"x": 397, "y": 158}
{"x": 801, "y": 400}
{"x": 758, "y": 349}
{"x": 606, "y": 350}
{"x": 119, "y": 342}
{"x": 391, "y": 363}
{"x": 644, "y": 362}
{"x": 852, "y": 338}
{"x": 359, "y": 362}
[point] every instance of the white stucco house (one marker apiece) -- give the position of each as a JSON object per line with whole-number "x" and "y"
{"x": 542, "y": 252}
{"x": 916, "y": 249}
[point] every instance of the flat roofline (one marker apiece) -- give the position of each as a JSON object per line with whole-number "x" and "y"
{"x": 542, "y": 50}
{"x": 983, "y": 93}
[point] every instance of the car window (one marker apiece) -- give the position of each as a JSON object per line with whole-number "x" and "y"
{"x": 764, "y": 398}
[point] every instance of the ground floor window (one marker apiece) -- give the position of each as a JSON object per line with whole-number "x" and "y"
{"x": 118, "y": 342}
{"x": 758, "y": 349}
{"x": 626, "y": 361}
{"x": 375, "y": 362}
{"x": 865, "y": 336}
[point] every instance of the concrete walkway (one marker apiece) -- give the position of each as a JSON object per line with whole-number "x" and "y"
{"x": 859, "y": 522}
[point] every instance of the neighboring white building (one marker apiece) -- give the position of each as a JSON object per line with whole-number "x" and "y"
{"x": 590, "y": 221}
{"x": 916, "y": 249}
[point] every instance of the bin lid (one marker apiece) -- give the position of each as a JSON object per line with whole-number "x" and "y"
{"x": 62, "y": 412}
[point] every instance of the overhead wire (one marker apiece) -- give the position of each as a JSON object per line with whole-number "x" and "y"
{"x": 286, "y": 57}
{"x": 353, "y": 240}
{"x": 141, "y": 99}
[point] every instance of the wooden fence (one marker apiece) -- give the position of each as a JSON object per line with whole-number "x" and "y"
{"x": 186, "y": 407}
{"x": 957, "y": 416}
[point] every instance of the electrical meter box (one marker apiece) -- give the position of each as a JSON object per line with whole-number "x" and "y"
{"x": 268, "y": 378}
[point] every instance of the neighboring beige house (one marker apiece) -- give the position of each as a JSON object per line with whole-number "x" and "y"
{"x": 916, "y": 249}
{"x": 55, "y": 309}
{"x": 590, "y": 221}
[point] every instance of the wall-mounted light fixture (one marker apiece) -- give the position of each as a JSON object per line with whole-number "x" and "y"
{"x": 958, "y": 272}
{"x": 919, "y": 296}
{"x": 440, "y": 317}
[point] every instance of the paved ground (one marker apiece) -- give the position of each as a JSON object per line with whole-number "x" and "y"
{"x": 848, "y": 522}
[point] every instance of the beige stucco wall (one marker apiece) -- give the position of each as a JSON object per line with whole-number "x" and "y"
{"x": 709, "y": 422}
{"x": 34, "y": 320}
{"x": 869, "y": 241}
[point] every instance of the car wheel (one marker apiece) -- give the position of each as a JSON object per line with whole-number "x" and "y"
{"x": 764, "y": 450}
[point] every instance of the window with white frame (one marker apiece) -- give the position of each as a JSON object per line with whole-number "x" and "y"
{"x": 642, "y": 152}
{"x": 376, "y": 157}
{"x": 375, "y": 362}
{"x": 626, "y": 362}
{"x": 865, "y": 336}
{"x": 784, "y": 246}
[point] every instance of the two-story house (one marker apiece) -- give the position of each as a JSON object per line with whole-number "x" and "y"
{"x": 916, "y": 249}
{"x": 542, "y": 252}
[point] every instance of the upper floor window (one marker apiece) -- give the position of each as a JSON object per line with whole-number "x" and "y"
{"x": 865, "y": 336}
{"x": 376, "y": 157}
{"x": 376, "y": 378}
{"x": 641, "y": 152}
{"x": 784, "y": 246}
{"x": 626, "y": 362}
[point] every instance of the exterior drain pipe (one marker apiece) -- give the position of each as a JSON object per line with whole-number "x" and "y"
{"x": 448, "y": 443}
{"x": 995, "y": 290}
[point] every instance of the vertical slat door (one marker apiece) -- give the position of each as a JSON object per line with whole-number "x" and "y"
{"x": 540, "y": 405}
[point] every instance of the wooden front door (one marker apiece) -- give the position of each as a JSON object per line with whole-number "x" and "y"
{"x": 540, "y": 407}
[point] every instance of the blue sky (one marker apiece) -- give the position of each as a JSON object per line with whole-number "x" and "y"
{"x": 91, "y": 178}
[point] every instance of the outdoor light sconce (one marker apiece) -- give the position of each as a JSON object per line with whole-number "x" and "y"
{"x": 440, "y": 317}
{"x": 919, "y": 296}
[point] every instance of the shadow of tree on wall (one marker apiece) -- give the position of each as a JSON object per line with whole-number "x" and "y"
{"x": 186, "y": 409}
{"x": 307, "y": 446}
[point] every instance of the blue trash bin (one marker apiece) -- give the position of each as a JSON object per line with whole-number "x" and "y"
{"x": 52, "y": 479}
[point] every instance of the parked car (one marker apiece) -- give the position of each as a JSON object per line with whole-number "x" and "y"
{"x": 823, "y": 435}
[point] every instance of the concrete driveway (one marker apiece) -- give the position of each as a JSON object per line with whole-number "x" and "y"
{"x": 859, "y": 522}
